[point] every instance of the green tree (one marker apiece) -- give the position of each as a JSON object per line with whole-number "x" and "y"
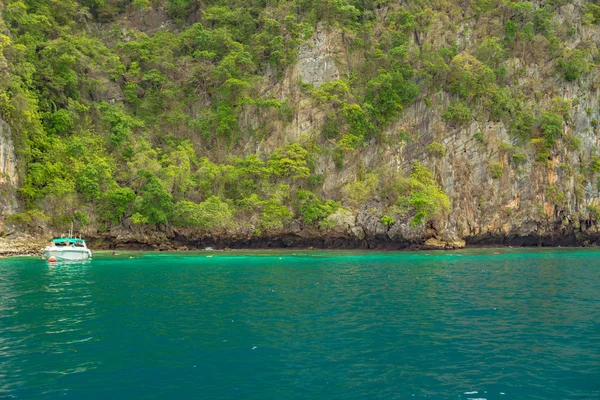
{"x": 115, "y": 204}
{"x": 313, "y": 209}
{"x": 289, "y": 161}
{"x": 387, "y": 94}
{"x": 212, "y": 213}
{"x": 118, "y": 122}
{"x": 154, "y": 204}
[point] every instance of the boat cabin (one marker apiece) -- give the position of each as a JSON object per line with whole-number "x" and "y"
{"x": 65, "y": 242}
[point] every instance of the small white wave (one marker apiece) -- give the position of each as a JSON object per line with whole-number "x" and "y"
{"x": 475, "y": 392}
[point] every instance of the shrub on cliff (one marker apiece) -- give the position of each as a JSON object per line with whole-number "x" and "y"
{"x": 115, "y": 204}
{"x": 457, "y": 113}
{"x": 211, "y": 213}
{"x": 361, "y": 191}
{"x": 154, "y": 204}
{"x": 470, "y": 78}
{"x": 551, "y": 125}
{"x": 426, "y": 197}
{"x": 311, "y": 208}
{"x": 93, "y": 178}
{"x": 573, "y": 65}
{"x": 274, "y": 214}
{"x": 289, "y": 161}
{"x": 496, "y": 170}
{"x": 436, "y": 149}
{"x": 32, "y": 219}
{"x": 387, "y": 94}
{"x": 418, "y": 196}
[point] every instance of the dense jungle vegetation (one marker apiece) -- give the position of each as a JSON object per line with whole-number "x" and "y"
{"x": 114, "y": 125}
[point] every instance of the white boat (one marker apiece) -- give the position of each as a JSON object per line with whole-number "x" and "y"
{"x": 71, "y": 249}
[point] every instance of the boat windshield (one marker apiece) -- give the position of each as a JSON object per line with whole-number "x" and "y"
{"x": 68, "y": 242}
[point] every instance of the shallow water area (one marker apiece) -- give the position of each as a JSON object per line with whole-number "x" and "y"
{"x": 523, "y": 323}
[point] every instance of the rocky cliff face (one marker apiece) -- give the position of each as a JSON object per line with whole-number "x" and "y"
{"x": 9, "y": 177}
{"x": 498, "y": 99}
{"x": 497, "y": 197}
{"x": 516, "y": 205}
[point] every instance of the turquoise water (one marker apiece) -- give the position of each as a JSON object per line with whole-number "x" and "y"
{"x": 282, "y": 325}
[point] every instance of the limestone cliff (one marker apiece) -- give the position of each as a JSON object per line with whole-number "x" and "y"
{"x": 9, "y": 177}
{"x": 302, "y": 123}
{"x": 524, "y": 201}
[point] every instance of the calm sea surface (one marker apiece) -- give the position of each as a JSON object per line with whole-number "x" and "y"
{"x": 522, "y": 324}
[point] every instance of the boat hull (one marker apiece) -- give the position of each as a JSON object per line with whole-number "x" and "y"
{"x": 68, "y": 254}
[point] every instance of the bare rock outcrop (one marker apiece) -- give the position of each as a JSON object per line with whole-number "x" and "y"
{"x": 317, "y": 58}
{"x": 9, "y": 177}
{"x": 22, "y": 245}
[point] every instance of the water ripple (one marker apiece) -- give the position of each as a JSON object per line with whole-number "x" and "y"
{"x": 463, "y": 325}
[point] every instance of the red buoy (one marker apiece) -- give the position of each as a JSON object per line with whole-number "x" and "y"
{"x": 51, "y": 259}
